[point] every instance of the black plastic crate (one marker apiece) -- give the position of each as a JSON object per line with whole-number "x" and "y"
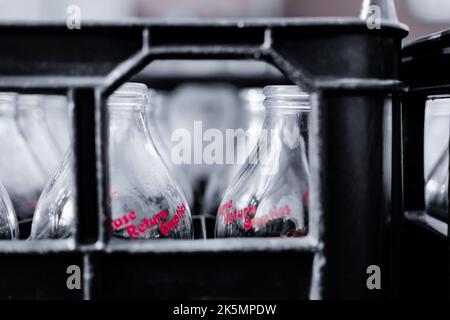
{"x": 350, "y": 70}
{"x": 425, "y": 65}
{"x": 425, "y": 249}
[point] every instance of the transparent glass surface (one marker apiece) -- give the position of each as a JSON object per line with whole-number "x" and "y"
{"x": 32, "y": 125}
{"x": 269, "y": 196}
{"x": 145, "y": 202}
{"x": 9, "y": 228}
{"x": 20, "y": 171}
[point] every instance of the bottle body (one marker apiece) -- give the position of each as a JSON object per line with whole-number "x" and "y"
{"x": 269, "y": 195}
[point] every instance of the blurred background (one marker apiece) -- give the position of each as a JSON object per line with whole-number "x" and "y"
{"x": 423, "y": 17}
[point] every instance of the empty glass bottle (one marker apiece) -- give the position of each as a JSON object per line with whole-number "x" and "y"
{"x": 247, "y": 132}
{"x": 436, "y": 189}
{"x": 140, "y": 185}
{"x": 145, "y": 202}
{"x": 19, "y": 170}
{"x": 9, "y": 228}
{"x": 269, "y": 196}
{"x": 32, "y": 125}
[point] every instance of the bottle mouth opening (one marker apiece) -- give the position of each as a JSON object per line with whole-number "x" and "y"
{"x": 286, "y": 97}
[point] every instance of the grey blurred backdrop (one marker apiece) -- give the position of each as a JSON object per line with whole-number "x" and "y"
{"x": 423, "y": 17}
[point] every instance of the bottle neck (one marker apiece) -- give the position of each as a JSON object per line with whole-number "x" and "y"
{"x": 126, "y": 112}
{"x": 287, "y": 127}
{"x": 276, "y": 117}
{"x": 126, "y": 117}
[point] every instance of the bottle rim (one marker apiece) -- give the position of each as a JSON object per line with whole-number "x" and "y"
{"x": 130, "y": 94}
{"x": 286, "y": 97}
{"x": 131, "y": 87}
